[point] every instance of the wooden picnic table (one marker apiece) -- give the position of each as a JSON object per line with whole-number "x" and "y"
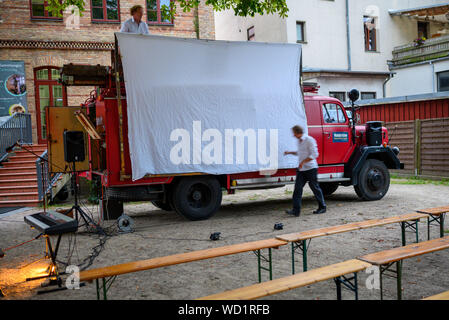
{"x": 440, "y": 296}
{"x": 113, "y": 271}
{"x": 299, "y": 239}
{"x": 386, "y": 259}
{"x": 435, "y": 215}
{"x": 334, "y": 271}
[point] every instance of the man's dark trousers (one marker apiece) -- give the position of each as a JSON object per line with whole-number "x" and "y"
{"x": 302, "y": 177}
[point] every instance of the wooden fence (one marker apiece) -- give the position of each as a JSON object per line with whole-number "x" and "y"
{"x": 424, "y": 146}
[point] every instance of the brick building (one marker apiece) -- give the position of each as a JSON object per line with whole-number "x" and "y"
{"x": 44, "y": 43}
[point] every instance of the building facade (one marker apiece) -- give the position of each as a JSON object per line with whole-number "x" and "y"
{"x": 29, "y": 34}
{"x": 347, "y": 43}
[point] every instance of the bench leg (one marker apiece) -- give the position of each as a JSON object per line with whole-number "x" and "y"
{"x": 304, "y": 255}
{"x": 381, "y": 283}
{"x": 105, "y": 287}
{"x": 303, "y": 247}
{"x": 353, "y": 286}
{"x": 416, "y": 229}
{"x": 439, "y": 220}
{"x": 403, "y": 233}
{"x": 399, "y": 278}
{"x": 98, "y": 289}
{"x": 260, "y": 257}
{"x": 105, "y": 291}
{"x": 396, "y": 274}
{"x": 338, "y": 284}
{"x": 293, "y": 258}
{"x": 413, "y": 226}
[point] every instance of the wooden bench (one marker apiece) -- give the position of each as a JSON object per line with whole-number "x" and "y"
{"x": 113, "y": 271}
{"x": 435, "y": 215}
{"x": 440, "y": 296}
{"x": 299, "y": 240}
{"x": 334, "y": 271}
{"x": 386, "y": 259}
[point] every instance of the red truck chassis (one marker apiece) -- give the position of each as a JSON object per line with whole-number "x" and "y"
{"x": 349, "y": 154}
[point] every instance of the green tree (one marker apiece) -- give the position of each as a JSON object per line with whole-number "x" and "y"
{"x": 240, "y": 7}
{"x": 56, "y": 7}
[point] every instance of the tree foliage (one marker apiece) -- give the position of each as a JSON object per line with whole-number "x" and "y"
{"x": 56, "y": 7}
{"x": 240, "y": 7}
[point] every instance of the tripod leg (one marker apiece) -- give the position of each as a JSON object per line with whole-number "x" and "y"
{"x": 86, "y": 217}
{"x": 81, "y": 213}
{"x": 57, "y": 245}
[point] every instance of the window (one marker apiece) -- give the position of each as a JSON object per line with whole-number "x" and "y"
{"x": 300, "y": 35}
{"x": 38, "y": 10}
{"x": 49, "y": 93}
{"x": 423, "y": 30}
{"x": 333, "y": 113}
{"x": 251, "y": 34}
{"x": 443, "y": 81}
{"x": 158, "y": 12}
{"x": 338, "y": 95}
{"x": 105, "y": 10}
{"x": 369, "y": 24}
{"x": 368, "y": 95}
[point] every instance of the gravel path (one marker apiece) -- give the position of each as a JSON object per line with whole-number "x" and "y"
{"x": 245, "y": 216}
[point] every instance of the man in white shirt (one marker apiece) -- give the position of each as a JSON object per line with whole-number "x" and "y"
{"x": 135, "y": 23}
{"x": 307, "y": 171}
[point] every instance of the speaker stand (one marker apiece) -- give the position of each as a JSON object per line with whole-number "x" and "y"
{"x": 79, "y": 212}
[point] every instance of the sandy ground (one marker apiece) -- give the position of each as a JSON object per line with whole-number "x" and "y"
{"x": 245, "y": 216}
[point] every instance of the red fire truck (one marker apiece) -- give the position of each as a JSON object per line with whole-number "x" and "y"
{"x": 349, "y": 154}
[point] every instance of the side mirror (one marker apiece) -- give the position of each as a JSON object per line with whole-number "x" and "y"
{"x": 354, "y": 95}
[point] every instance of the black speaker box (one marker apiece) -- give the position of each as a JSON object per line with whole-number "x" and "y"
{"x": 74, "y": 150}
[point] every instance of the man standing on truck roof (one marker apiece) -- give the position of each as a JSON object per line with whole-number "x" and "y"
{"x": 307, "y": 171}
{"x": 135, "y": 23}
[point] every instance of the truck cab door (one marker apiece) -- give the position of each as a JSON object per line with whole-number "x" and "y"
{"x": 336, "y": 133}
{"x": 314, "y": 126}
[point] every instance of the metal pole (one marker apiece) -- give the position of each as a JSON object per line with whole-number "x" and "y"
{"x": 442, "y": 225}
{"x": 258, "y": 265}
{"x": 428, "y": 228}
{"x": 356, "y": 287}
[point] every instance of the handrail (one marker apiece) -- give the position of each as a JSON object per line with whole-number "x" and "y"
{"x": 17, "y": 128}
{"x": 45, "y": 180}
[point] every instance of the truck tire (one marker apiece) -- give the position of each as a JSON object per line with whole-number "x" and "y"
{"x": 63, "y": 194}
{"x": 197, "y": 198}
{"x": 162, "y": 205}
{"x": 374, "y": 180}
{"x": 328, "y": 188}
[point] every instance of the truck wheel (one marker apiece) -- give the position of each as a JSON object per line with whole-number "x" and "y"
{"x": 63, "y": 194}
{"x": 374, "y": 180}
{"x": 197, "y": 198}
{"x": 328, "y": 188}
{"x": 162, "y": 205}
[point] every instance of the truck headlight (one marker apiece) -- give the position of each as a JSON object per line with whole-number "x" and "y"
{"x": 396, "y": 150}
